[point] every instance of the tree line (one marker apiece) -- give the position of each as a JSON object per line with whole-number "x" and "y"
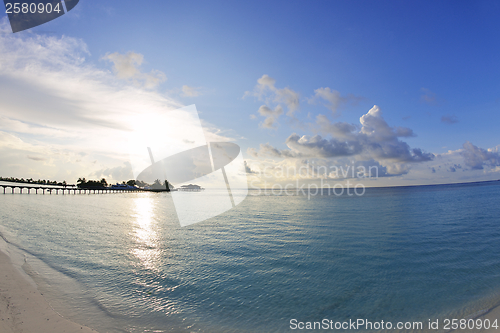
{"x": 32, "y": 181}
{"x": 103, "y": 183}
{"x": 93, "y": 184}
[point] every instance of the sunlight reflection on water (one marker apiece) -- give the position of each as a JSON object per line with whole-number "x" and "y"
{"x": 145, "y": 234}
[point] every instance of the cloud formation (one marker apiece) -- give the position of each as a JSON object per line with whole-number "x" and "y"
{"x": 375, "y": 127}
{"x": 477, "y": 158}
{"x": 271, "y": 115}
{"x": 373, "y": 140}
{"x": 126, "y": 66}
{"x": 266, "y": 91}
{"x": 123, "y": 172}
{"x": 247, "y": 168}
{"x": 332, "y": 99}
{"x": 454, "y": 168}
{"x": 317, "y": 146}
{"x": 188, "y": 91}
{"x": 338, "y": 130}
{"x": 279, "y": 98}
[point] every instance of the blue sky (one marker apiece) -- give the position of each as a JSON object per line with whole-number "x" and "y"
{"x": 431, "y": 68}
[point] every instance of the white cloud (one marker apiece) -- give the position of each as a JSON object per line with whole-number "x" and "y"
{"x": 333, "y": 99}
{"x": 126, "y": 66}
{"x": 266, "y": 82}
{"x": 123, "y": 172}
{"x": 266, "y": 91}
{"x": 271, "y": 115}
{"x": 16, "y": 126}
{"x": 338, "y": 130}
{"x": 456, "y": 166}
{"x": 268, "y": 123}
{"x": 477, "y": 158}
{"x": 290, "y": 98}
{"x": 188, "y": 91}
{"x": 375, "y": 127}
{"x": 317, "y": 146}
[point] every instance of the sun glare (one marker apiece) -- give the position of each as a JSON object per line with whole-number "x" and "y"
{"x": 145, "y": 233}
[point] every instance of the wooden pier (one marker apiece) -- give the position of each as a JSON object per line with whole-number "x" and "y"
{"x": 63, "y": 189}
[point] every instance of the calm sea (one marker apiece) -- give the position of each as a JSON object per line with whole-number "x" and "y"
{"x": 122, "y": 263}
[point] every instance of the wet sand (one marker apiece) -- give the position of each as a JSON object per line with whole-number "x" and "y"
{"x": 24, "y": 309}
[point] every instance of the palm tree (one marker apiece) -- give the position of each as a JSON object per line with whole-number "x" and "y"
{"x": 104, "y": 182}
{"x": 81, "y": 181}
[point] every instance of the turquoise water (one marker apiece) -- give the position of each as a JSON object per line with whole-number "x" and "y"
{"x": 121, "y": 262}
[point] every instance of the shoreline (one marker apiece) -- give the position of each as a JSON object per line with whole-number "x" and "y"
{"x": 24, "y": 309}
{"x": 490, "y": 314}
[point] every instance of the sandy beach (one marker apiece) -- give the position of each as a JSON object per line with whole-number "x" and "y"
{"x": 24, "y": 309}
{"x": 492, "y": 315}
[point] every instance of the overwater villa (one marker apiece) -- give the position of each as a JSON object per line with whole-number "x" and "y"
{"x": 191, "y": 188}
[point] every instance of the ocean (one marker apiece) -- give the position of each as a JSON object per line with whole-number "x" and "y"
{"x": 122, "y": 263}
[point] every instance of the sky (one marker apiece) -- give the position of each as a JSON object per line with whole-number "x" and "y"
{"x": 315, "y": 88}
